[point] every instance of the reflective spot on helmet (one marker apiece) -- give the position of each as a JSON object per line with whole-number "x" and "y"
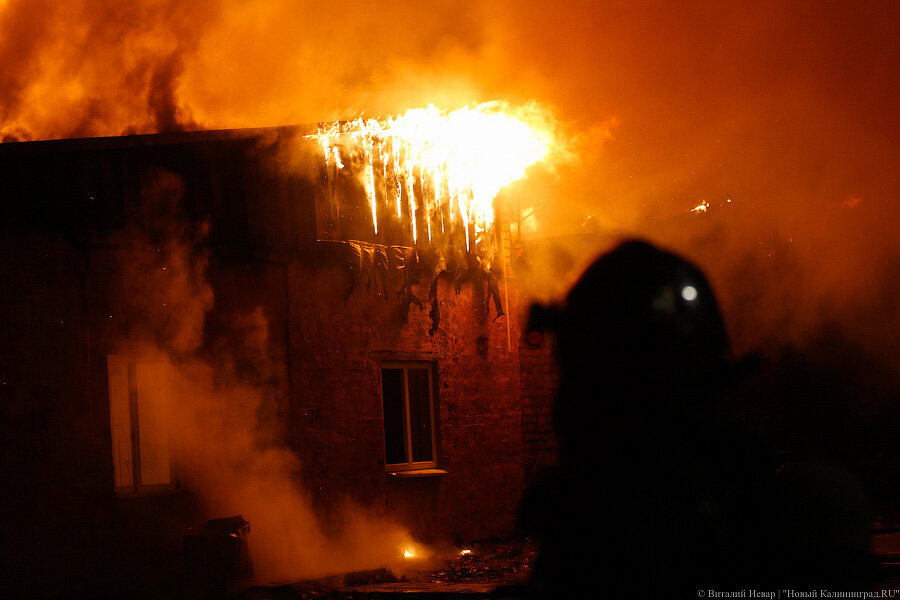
{"x": 689, "y": 293}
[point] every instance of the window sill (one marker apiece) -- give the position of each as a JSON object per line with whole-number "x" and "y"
{"x": 418, "y": 473}
{"x": 150, "y": 492}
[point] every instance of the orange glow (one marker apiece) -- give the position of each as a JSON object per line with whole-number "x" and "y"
{"x": 852, "y": 202}
{"x": 461, "y": 159}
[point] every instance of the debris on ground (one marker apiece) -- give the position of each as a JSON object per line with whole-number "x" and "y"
{"x": 469, "y": 571}
{"x": 483, "y": 562}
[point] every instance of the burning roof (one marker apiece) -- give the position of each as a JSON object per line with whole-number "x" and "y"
{"x": 435, "y": 170}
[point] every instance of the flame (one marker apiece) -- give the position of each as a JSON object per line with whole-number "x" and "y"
{"x": 443, "y": 165}
{"x": 409, "y": 553}
{"x": 702, "y": 207}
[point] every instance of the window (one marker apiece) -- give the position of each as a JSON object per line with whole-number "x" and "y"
{"x": 139, "y": 391}
{"x": 409, "y": 416}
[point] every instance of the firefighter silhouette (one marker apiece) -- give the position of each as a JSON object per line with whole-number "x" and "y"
{"x": 654, "y": 493}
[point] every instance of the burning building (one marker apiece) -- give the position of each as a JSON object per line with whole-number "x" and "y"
{"x": 284, "y": 323}
{"x": 285, "y": 281}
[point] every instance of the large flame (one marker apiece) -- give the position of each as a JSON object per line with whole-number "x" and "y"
{"x": 444, "y": 165}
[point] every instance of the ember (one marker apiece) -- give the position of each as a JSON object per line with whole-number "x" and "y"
{"x": 702, "y": 207}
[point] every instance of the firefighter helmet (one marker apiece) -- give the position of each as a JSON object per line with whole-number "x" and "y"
{"x": 641, "y": 308}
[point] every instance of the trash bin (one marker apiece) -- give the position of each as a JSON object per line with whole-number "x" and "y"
{"x": 217, "y": 560}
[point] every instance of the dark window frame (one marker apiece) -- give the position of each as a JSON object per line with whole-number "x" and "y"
{"x": 410, "y": 464}
{"x": 132, "y": 483}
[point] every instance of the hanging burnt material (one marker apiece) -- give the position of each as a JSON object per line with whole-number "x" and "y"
{"x": 392, "y": 271}
{"x": 461, "y": 268}
{"x": 408, "y": 273}
{"x": 383, "y": 269}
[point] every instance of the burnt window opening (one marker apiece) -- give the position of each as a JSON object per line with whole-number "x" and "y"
{"x": 410, "y": 415}
{"x": 139, "y": 395}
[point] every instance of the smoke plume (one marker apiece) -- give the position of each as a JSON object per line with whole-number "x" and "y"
{"x": 223, "y": 400}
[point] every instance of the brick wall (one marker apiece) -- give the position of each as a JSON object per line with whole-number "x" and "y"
{"x": 336, "y": 426}
{"x": 539, "y": 384}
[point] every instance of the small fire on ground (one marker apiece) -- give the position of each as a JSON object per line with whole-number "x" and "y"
{"x": 410, "y": 552}
{"x": 497, "y": 562}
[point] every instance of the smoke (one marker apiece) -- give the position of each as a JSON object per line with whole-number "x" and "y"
{"x": 223, "y": 399}
{"x": 97, "y": 67}
{"x": 86, "y": 68}
{"x": 779, "y": 115}
{"x": 233, "y": 458}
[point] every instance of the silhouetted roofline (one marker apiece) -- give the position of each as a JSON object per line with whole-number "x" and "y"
{"x": 147, "y": 139}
